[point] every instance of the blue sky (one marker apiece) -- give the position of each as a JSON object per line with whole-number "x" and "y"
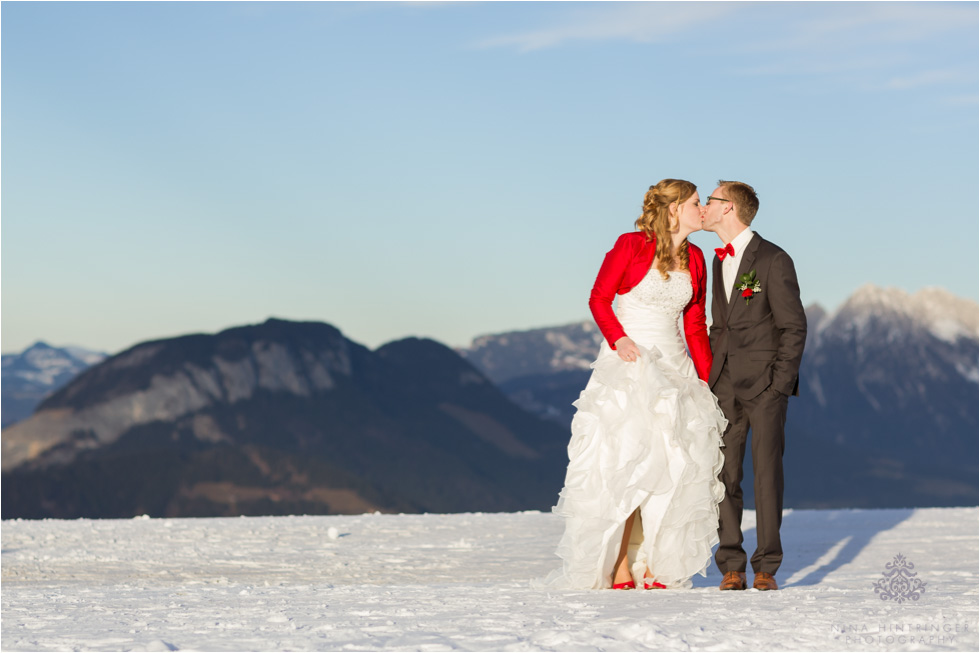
{"x": 454, "y": 169}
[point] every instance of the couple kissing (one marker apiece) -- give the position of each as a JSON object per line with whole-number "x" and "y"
{"x": 660, "y": 430}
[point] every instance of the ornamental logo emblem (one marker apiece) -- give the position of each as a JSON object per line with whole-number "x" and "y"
{"x": 899, "y": 582}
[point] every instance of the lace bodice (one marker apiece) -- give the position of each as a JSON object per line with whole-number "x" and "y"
{"x": 669, "y": 295}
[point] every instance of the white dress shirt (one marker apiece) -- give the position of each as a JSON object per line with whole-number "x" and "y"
{"x": 729, "y": 267}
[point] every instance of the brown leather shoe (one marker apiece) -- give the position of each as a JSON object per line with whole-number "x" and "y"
{"x": 733, "y": 580}
{"x": 764, "y": 581}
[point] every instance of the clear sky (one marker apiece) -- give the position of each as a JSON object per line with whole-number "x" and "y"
{"x": 454, "y": 169}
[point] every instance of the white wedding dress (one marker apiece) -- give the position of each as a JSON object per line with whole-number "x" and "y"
{"x": 647, "y": 435}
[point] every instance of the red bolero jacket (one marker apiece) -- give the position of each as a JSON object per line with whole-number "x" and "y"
{"x": 625, "y": 266}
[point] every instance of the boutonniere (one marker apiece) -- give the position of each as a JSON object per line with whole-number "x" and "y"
{"x": 750, "y": 285}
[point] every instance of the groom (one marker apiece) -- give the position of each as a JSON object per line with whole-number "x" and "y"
{"x": 757, "y": 335}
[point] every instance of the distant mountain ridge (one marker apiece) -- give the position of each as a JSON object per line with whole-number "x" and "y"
{"x": 288, "y": 417}
{"x": 36, "y": 372}
{"x": 279, "y": 418}
{"x": 935, "y": 310}
{"x": 513, "y": 354}
{"x": 893, "y": 376}
{"x": 888, "y": 409}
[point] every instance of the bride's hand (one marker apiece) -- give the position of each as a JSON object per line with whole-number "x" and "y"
{"x": 627, "y": 349}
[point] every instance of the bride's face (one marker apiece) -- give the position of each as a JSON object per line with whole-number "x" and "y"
{"x": 689, "y": 214}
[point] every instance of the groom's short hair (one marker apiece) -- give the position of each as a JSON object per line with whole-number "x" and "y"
{"x": 744, "y": 197}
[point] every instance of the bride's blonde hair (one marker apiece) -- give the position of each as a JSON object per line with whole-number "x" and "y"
{"x": 655, "y": 221}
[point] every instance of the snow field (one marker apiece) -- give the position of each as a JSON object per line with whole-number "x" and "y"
{"x": 462, "y": 582}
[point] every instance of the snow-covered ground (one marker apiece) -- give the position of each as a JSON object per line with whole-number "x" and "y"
{"x": 443, "y": 582}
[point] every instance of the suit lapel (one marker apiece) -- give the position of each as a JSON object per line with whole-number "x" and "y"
{"x": 747, "y": 263}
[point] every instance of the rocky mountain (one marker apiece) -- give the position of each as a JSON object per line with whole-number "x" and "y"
{"x": 506, "y": 356}
{"x": 889, "y": 389}
{"x": 279, "y": 418}
{"x": 36, "y": 372}
{"x": 888, "y": 409}
{"x": 539, "y": 368}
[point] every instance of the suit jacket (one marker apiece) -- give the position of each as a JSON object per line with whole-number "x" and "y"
{"x": 625, "y": 266}
{"x": 762, "y": 341}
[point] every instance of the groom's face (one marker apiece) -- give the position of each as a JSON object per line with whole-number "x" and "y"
{"x": 715, "y": 208}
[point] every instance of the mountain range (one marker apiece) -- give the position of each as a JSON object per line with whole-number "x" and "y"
{"x": 279, "y": 418}
{"x": 293, "y": 417}
{"x": 36, "y": 372}
{"x": 888, "y": 405}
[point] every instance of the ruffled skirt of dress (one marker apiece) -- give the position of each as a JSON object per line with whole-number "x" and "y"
{"x": 647, "y": 436}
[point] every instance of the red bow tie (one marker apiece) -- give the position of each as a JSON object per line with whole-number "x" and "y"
{"x": 722, "y": 252}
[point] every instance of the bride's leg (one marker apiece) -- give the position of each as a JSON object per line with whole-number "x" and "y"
{"x": 649, "y": 516}
{"x": 621, "y": 571}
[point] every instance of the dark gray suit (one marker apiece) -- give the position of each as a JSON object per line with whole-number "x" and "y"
{"x": 757, "y": 348}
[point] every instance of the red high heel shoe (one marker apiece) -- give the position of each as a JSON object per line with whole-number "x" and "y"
{"x": 650, "y": 584}
{"x": 628, "y": 585}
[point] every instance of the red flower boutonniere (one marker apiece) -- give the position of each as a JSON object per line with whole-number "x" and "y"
{"x": 749, "y": 286}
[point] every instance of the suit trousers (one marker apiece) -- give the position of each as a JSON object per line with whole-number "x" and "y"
{"x": 765, "y": 415}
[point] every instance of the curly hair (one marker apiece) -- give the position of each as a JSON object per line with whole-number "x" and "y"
{"x": 655, "y": 221}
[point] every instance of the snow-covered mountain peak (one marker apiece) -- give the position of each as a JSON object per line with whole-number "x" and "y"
{"x": 947, "y": 316}
{"x": 935, "y": 310}
{"x": 870, "y": 297}
{"x": 884, "y": 311}
{"x": 31, "y": 375}
{"x": 87, "y": 356}
{"x": 43, "y": 356}
{"x": 504, "y": 356}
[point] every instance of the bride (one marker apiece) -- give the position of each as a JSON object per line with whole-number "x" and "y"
{"x": 641, "y": 493}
